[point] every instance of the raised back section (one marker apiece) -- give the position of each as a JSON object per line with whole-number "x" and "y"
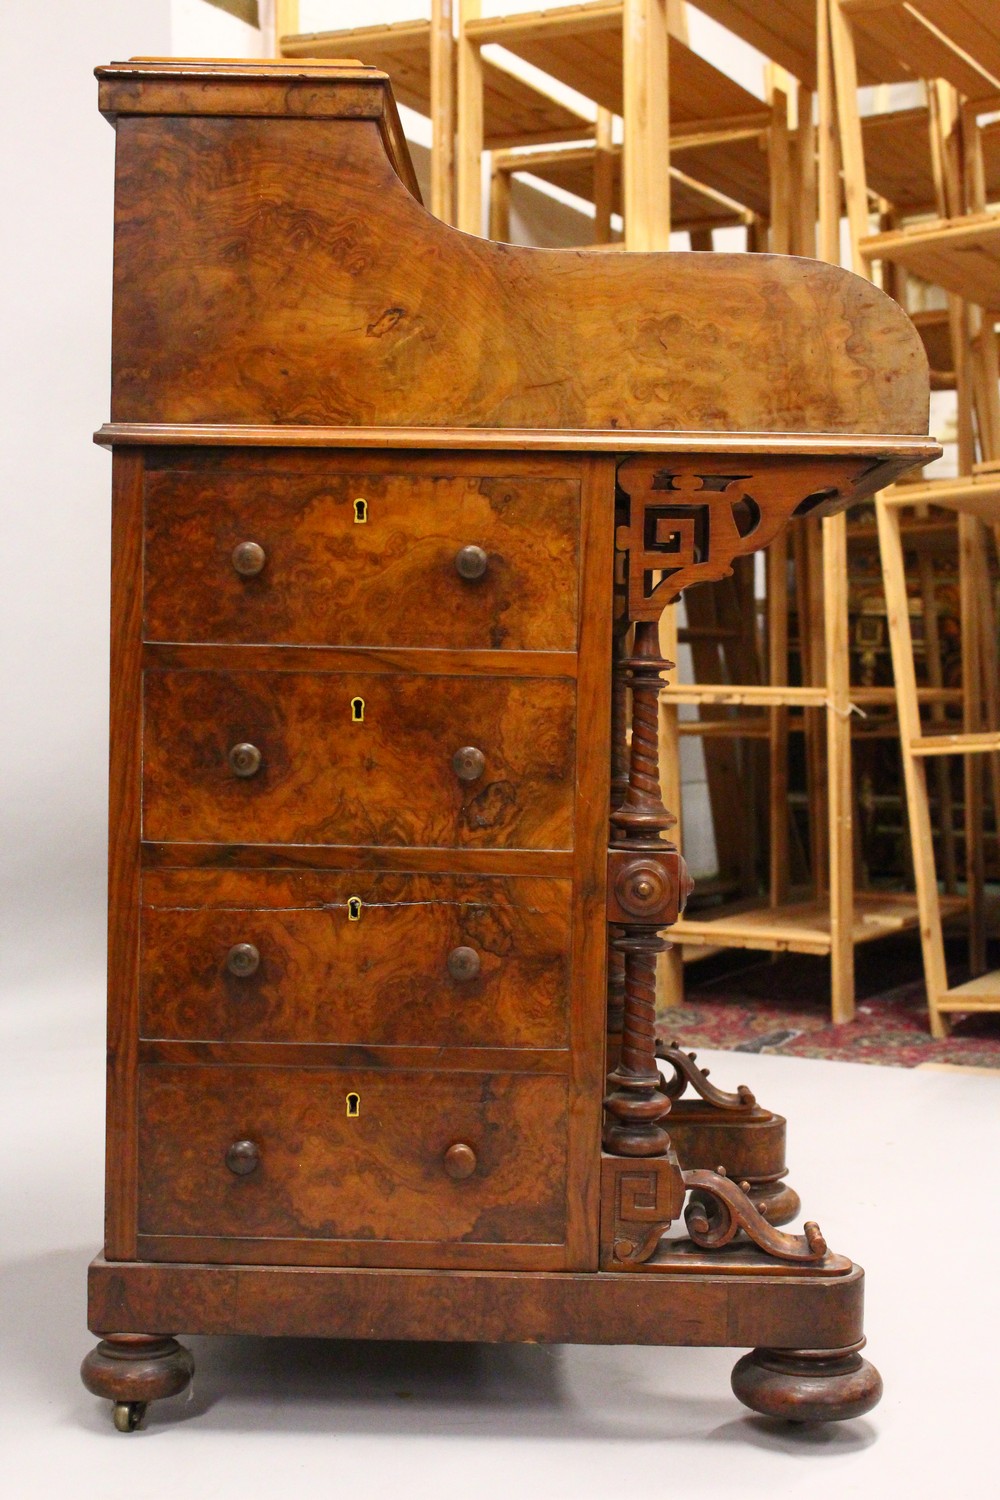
{"x": 274, "y": 266}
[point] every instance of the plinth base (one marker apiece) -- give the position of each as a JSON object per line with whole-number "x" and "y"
{"x": 736, "y": 1298}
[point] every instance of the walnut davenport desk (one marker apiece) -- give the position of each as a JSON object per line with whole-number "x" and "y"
{"x": 395, "y": 514}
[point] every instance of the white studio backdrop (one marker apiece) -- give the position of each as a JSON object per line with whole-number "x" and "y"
{"x": 55, "y": 271}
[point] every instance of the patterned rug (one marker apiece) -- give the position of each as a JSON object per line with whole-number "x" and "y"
{"x": 745, "y": 1002}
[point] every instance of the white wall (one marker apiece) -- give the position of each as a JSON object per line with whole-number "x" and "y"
{"x": 55, "y": 271}
{"x": 201, "y": 30}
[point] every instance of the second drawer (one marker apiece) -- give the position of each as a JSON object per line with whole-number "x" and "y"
{"x": 389, "y": 759}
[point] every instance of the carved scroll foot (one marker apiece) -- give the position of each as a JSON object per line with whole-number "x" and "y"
{"x": 687, "y": 1073}
{"x": 717, "y": 1128}
{"x": 808, "y": 1385}
{"x": 719, "y": 1209}
{"x": 132, "y": 1369}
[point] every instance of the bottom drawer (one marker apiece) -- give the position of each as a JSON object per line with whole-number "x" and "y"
{"x": 306, "y": 1168}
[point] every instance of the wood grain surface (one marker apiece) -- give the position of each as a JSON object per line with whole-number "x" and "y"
{"x": 754, "y": 1306}
{"x": 380, "y": 980}
{"x": 379, "y": 1176}
{"x": 391, "y": 580}
{"x": 388, "y": 780}
{"x": 277, "y": 271}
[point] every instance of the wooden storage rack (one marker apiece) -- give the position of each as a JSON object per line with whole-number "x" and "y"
{"x": 419, "y": 57}
{"x": 975, "y": 501}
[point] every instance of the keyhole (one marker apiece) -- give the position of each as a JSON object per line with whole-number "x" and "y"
{"x": 357, "y": 710}
{"x": 360, "y": 512}
{"x": 353, "y": 1106}
{"x": 354, "y": 908}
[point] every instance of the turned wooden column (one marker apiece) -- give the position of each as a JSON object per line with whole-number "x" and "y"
{"x": 647, "y": 884}
{"x": 619, "y": 788}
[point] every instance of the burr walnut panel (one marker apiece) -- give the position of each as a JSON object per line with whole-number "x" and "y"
{"x": 425, "y": 960}
{"x": 304, "y": 1168}
{"x": 272, "y": 271}
{"x": 367, "y": 559}
{"x": 280, "y": 757}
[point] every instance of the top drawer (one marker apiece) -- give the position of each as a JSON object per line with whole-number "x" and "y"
{"x": 361, "y": 559}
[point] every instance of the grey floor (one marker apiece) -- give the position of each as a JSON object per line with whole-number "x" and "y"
{"x": 899, "y": 1168}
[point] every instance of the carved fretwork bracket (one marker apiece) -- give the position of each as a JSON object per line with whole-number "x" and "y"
{"x": 641, "y": 1199}
{"x": 639, "y": 1202}
{"x": 690, "y": 517}
{"x": 687, "y": 1073}
{"x": 719, "y": 1209}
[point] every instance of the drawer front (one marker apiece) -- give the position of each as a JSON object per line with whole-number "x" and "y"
{"x": 316, "y": 1173}
{"x": 355, "y": 758}
{"x": 387, "y": 572}
{"x": 422, "y": 960}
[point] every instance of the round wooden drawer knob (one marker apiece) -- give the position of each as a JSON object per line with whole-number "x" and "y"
{"x": 243, "y": 1157}
{"x": 459, "y": 1161}
{"x": 464, "y": 963}
{"x": 248, "y": 559}
{"x": 470, "y": 563}
{"x": 245, "y": 760}
{"x": 243, "y": 960}
{"x": 468, "y": 763}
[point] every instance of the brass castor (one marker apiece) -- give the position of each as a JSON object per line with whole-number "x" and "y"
{"x": 128, "y": 1415}
{"x": 132, "y": 1369}
{"x": 808, "y": 1385}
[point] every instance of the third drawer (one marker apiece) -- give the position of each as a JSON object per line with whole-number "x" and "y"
{"x": 356, "y": 958}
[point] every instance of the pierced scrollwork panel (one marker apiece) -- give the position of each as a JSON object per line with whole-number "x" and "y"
{"x": 689, "y": 518}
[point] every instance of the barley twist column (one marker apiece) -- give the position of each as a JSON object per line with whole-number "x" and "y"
{"x": 641, "y": 893}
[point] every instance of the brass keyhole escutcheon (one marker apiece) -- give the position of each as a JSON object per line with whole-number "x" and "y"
{"x": 354, "y": 908}
{"x": 353, "y": 1102}
{"x": 360, "y": 512}
{"x": 357, "y": 710}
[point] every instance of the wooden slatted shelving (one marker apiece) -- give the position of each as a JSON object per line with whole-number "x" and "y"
{"x": 975, "y": 501}
{"x": 962, "y": 255}
{"x": 895, "y": 42}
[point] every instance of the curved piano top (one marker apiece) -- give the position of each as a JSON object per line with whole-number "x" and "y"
{"x": 275, "y": 269}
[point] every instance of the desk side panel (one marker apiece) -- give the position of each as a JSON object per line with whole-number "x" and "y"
{"x": 277, "y": 271}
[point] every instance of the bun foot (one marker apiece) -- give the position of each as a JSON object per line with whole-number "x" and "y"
{"x": 778, "y": 1202}
{"x": 808, "y": 1385}
{"x": 133, "y": 1369}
